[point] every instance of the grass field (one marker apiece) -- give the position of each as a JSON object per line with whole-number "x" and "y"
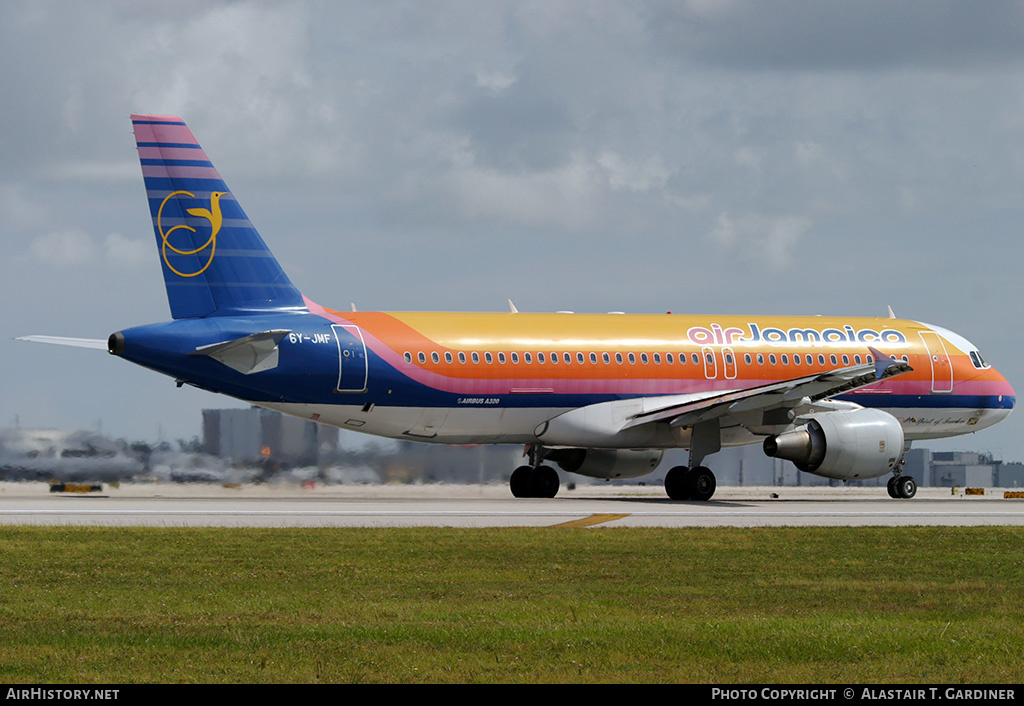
{"x": 872, "y": 605}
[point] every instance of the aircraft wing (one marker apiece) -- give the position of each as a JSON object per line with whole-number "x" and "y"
{"x": 96, "y": 343}
{"x": 779, "y": 394}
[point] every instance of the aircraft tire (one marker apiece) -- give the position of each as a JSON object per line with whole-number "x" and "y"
{"x": 675, "y": 483}
{"x": 545, "y": 482}
{"x": 701, "y": 483}
{"x": 906, "y": 487}
{"x": 519, "y": 483}
{"x": 891, "y": 487}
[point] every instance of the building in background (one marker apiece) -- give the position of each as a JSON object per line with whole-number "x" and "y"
{"x": 247, "y": 435}
{"x": 962, "y": 469}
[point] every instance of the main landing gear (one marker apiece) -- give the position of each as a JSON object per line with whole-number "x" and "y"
{"x": 682, "y": 483}
{"x": 534, "y": 482}
{"x": 902, "y": 487}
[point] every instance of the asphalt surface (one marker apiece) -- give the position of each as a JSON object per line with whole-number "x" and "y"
{"x": 494, "y": 506}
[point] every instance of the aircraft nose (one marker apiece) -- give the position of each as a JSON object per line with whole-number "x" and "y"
{"x": 1007, "y": 398}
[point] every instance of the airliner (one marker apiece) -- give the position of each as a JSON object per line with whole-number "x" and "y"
{"x": 600, "y": 395}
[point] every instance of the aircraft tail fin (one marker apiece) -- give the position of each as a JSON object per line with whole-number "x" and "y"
{"x": 213, "y": 260}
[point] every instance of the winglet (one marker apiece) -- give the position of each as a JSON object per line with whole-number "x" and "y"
{"x": 882, "y": 362}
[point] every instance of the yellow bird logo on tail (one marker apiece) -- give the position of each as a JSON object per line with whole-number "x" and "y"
{"x": 213, "y": 215}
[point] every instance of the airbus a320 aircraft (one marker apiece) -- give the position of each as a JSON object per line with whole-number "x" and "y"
{"x": 598, "y": 395}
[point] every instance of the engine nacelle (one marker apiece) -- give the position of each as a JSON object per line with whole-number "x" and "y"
{"x": 607, "y": 463}
{"x": 861, "y": 443}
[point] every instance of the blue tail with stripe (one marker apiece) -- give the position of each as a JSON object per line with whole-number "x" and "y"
{"x": 214, "y": 261}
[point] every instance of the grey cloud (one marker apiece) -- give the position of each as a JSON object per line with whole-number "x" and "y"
{"x": 838, "y": 35}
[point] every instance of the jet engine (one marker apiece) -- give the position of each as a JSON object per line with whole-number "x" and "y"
{"x": 607, "y": 463}
{"x": 860, "y": 443}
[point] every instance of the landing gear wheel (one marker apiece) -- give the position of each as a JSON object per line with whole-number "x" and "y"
{"x": 906, "y": 487}
{"x": 529, "y": 482}
{"x": 891, "y": 487}
{"x": 519, "y": 483}
{"x": 675, "y": 483}
{"x": 700, "y": 483}
{"x": 545, "y": 482}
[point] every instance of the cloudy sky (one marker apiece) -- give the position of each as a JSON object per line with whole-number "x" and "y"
{"x": 724, "y": 157}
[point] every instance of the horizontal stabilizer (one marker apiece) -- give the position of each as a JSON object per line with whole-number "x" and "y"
{"x": 254, "y": 353}
{"x": 96, "y": 343}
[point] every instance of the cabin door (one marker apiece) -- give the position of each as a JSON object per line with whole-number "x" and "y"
{"x": 942, "y": 370}
{"x": 353, "y": 370}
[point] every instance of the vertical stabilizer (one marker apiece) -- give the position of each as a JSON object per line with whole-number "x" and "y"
{"x": 214, "y": 262}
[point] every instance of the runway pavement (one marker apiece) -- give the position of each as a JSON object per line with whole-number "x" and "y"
{"x": 494, "y": 506}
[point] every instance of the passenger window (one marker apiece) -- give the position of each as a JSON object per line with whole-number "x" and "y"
{"x": 476, "y": 357}
{"x": 422, "y": 357}
{"x": 528, "y": 358}
{"x": 462, "y": 357}
{"x": 771, "y": 358}
{"x": 435, "y": 357}
{"x": 643, "y": 358}
{"x": 488, "y": 357}
{"x": 408, "y": 357}
{"x": 694, "y": 357}
{"x": 540, "y": 357}
{"x": 501, "y": 358}
{"x": 447, "y": 357}
{"x": 618, "y": 358}
{"x": 515, "y": 358}
{"x": 657, "y": 358}
{"x": 632, "y": 359}
{"x": 785, "y": 359}
{"x": 593, "y": 358}
{"x": 668, "y": 358}
{"x": 606, "y": 358}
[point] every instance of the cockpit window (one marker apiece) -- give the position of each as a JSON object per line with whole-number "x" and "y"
{"x": 978, "y": 361}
